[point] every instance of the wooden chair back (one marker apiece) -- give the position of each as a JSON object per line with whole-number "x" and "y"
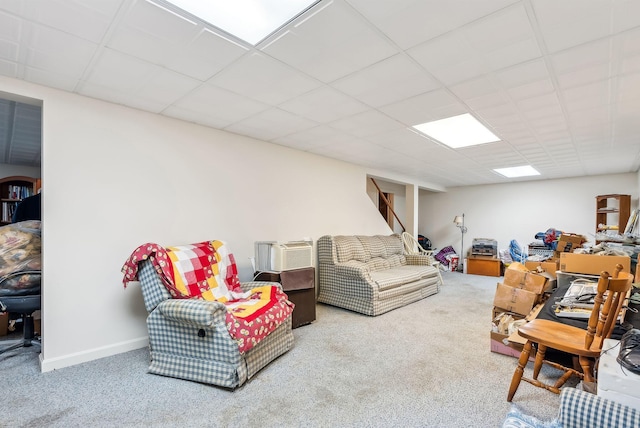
{"x": 610, "y": 297}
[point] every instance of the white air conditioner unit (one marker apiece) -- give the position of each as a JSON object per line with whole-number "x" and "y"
{"x": 275, "y": 256}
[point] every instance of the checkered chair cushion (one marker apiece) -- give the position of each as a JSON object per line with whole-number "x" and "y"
{"x": 188, "y": 338}
{"x": 580, "y": 409}
{"x": 382, "y": 279}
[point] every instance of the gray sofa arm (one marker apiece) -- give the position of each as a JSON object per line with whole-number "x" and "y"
{"x": 200, "y": 313}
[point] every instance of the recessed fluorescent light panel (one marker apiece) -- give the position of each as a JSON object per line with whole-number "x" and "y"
{"x": 249, "y": 20}
{"x": 517, "y": 171}
{"x": 458, "y": 131}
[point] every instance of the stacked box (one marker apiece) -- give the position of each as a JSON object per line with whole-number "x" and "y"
{"x": 520, "y": 290}
{"x": 549, "y": 266}
{"x": 520, "y": 294}
{"x": 568, "y": 242}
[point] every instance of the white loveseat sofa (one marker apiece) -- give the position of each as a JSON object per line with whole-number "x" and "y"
{"x": 372, "y": 274}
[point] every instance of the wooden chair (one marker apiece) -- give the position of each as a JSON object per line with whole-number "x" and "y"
{"x": 585, "y": 344}
{"x": 412, "y": 246}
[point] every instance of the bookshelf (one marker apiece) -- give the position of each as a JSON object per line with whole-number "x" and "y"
{"x": 13, "y": 190}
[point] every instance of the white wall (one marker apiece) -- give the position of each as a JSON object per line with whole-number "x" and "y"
{"x": 519, "y": 210}
{"x": 115, "y": 178}
{"x": 7, "y": 170}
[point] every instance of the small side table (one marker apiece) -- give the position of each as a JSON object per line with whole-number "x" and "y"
{"x": 484, "y": 265}
{"x": 300, "y": 286}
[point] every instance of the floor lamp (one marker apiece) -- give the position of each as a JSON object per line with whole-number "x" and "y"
{"x": 459, "y": 222}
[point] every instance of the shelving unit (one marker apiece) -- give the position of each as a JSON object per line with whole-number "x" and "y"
{"x": 12, "y": 191}
{"x": 612, "y": 213}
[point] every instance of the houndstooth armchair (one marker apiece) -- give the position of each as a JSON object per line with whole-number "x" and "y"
{"x": 189, "y": 339}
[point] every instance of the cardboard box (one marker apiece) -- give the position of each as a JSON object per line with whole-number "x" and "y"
{"x": 592, "y": 264}
{"x": 569, "y": 242}
{"x": 549, "y": 266}
{"x": 529, "y": 281}
{"x": 513, "y": 299}
{"x": 500, "y": 344}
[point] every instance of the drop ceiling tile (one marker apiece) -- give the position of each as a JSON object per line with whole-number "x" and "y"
{"x": 496, "y": 99}
{"x": 270, "y": 124}
{"x": 50, "y": 78}
{"x": 630, "y": 64}
{"x": 159, "y": 22}
{"x": 58, "y": 52}
{"x": 264, "y": 79}
{"x": 410, "y": 22}
{"x": 88, "y": 20}
{"x": 367, "y": 123}
{"x": 221, "y": 106}
{"x": 119, "y": 96}
{"x": 548, "y": 100}
{"x": 629, "y": 88}
{"x": 587, "y": 96}
{"x": 321, "y": 135}
{"x": 626, "y": 15}
{"x": 10, "y": 27}
{"x": 350, "y": 45}
{"x": 8, "y": 68}
{"x": 629, "y": 41}
{"x": 572, "y": 22}
{"x": 195, "y": 58}
{"x": 119, "y": 71}
{"x": 9, "y": 51}
{"x": 450, "y": 58}
{"x": 474, "y": 88}
{"x": 588, "y": 54}
{"x": 584, "y": 76}
{"x": 386, "y": 82}
{"x": 433, "y": 105}
{"x": 532, "y": 89}
{"x": 166, "y": 86}
{"x": 521, "y": 74}
{"x": 550, "y": 111}
{"x": 201, "y": 118}
{"x": 499, "y": 112}
{"x": 323, "y": 105}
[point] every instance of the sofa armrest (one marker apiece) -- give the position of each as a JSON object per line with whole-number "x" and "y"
{"x": 352, "y": 271}
{"x": 419, "y": 259}
{"x": 200, "y": 313}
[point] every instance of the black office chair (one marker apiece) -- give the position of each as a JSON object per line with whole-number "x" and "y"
{"x": 25, "y": 306}
{"x": 20, "y": 277}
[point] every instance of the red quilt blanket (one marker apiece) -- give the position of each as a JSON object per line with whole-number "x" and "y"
{"x": 207, "y": 270}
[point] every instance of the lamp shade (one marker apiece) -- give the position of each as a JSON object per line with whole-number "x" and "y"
{"x": 458, "y": 220}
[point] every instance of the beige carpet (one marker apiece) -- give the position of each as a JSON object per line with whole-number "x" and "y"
{"x": 425, "y": 365}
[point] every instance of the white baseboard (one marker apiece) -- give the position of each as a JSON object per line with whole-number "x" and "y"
{"x": 50, "y": 364}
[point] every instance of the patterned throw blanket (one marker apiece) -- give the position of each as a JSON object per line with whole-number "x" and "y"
{"x": 207, "y": 270}
{"x": 20, "y": 259}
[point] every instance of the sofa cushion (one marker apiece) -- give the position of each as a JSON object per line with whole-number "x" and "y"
{"x": 373, "y": 245}
{"x": 349, "y": 248}
{"x": 392, "y": 244}
{"x": 396, "y": 260}
{"x": 377, "y": 263}
{"x": 395, "y": 277}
